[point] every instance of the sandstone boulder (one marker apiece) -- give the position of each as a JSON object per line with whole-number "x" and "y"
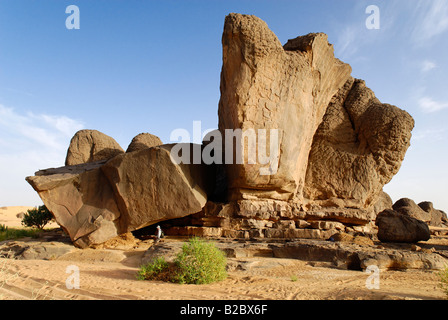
{"x": 97, "y": 201}
{"x": 149, "y": 187}
{"x": 438, "y": 217}
{"x": 408, "y": 207}
{"x": 397, "y": 227}
{"x": 143, "y": 141}
{"x": 383, "y": 202}
{"x": 81, "y": 201}
{"x": 89, "y": 146}
{"x": 270, "y": 87}
{"x": 357, "y": 149}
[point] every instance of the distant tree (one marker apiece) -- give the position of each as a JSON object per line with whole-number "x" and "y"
{"x": 37, "y": 217}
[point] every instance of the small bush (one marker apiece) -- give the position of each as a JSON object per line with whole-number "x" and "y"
{"x": 444, "y": 280}
{"x": 157, "y": 270}
{"x": 199, "y": 262}
{"x": 37, "y": 217}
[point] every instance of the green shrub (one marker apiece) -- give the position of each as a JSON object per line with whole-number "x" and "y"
{"x": 444, "y": 280}
{"x": 157, "y": 270}
{"x": 37, "y": 217}
{"x": 199, "y": 262}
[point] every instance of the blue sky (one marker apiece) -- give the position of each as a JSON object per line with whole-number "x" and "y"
{"x": 154, "y": 66}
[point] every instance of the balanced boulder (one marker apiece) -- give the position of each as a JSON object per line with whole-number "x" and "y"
{"x": 91, "y": 145}
{"x": 81, "y": 201}
{"x": 97, "y": 201}
{"x": 143, "y": 141}
{"x": 150, "y": 187}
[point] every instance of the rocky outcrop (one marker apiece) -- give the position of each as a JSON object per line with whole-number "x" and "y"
{"x": 337, "y": 144}
{"x": 90, "y": 146}
{"x": 143, "y": 141}
{"x": 342, "y": 255}
{"x": 97, "y": 201}
{"x": 438, "y": 217}
{"x": 81, "y": 200}
{"x": 267, "y": 86}
{"x": 303, "y": 150}
{"x": 394, "y": 226}
{"x": 357, "y": 149}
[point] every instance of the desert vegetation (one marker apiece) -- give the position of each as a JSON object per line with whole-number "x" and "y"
{"x": 37, "y": 217}
{"x": 199, "y": 262}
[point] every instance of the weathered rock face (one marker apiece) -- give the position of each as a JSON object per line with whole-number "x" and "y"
{"x": 267, "y": 86}
{"x": 144, "y": 141}
{"x": 89, "y": 146}
{"x": 397, "y": 227}
{"x": 81, "y": 200}
{"x": 438, "y": 217}
{"x": 150, "y": 187}
{"x": 357, "y": 149}
{"x": 97, "y": 201}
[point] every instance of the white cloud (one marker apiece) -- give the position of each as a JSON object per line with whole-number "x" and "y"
{"x": 437, "y": 134}
{"x": 346, "y": 45}
{"x": 431, "y": 20}
{"x": 428, "y": 105}
{"x": 427, "y": 66}
{"x": 29, "y": 142}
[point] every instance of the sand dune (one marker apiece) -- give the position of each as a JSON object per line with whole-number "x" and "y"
{"x": 12, "y": 216}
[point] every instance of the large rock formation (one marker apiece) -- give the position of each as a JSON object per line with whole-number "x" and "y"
{"x": 305, "y": 151}
{"x": 81, "y": 200}
{"x": 267, "y": 86}
{"x": 337, "y": 145}
{"x": 96, "y": 201}
{"x": 150, "y": 187}
{"x": 89, "y": 146}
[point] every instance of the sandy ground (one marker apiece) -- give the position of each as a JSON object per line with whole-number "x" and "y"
{"x": 111, "y": 274}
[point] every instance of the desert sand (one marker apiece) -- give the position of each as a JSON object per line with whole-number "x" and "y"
{"x": 109, "y": 274}
{"x": 12, "y": 216}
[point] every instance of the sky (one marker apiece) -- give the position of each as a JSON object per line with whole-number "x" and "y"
{"x": 154, "y": 66}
